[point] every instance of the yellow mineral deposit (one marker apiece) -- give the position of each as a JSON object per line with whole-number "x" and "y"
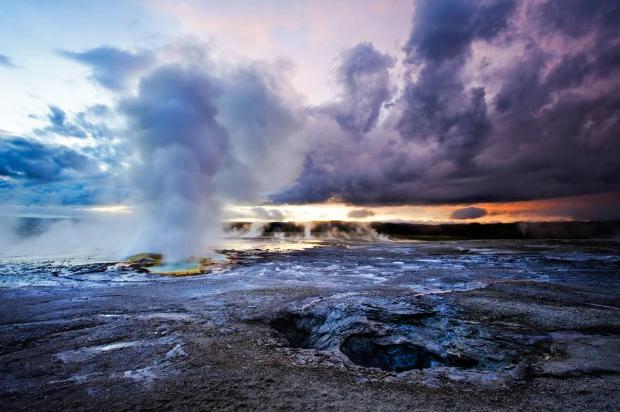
{"x": 155, "y": 263}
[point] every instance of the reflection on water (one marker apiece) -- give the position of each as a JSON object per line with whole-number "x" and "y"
{"x": 267, "y": 244}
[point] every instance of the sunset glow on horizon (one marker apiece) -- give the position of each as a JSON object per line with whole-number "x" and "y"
{"x": 547, "y": 210}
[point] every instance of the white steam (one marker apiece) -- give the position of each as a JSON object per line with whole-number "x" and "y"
{"x": 204, "y": 137}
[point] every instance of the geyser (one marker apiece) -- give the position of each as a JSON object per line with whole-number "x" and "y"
{"x": 181, "y": 148}
{"x": 204, "y": 136}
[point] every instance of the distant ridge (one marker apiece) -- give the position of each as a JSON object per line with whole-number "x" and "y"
{"x": 517, "y": 230}
{"x": 33, "y": 226}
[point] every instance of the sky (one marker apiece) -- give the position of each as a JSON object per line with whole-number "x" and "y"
{"x": 193, "y": 112}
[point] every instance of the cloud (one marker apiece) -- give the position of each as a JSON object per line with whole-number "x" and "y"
{"x": 577, "y": 18}
{"x": 445, "y": 29}
{"x": 59, "y": 124}
{"x": 489, "y": 101}
{"x": 27, "y": 160}
{"x": 272, "y": 215}
{"x": 95, "y": 124}
{"x": 501, "y": 101}
{"x": 364, "y": 75}
{"x": 360, "y": 213}
{"x": 6, "y": 62}
{"x": 470, "y": 212}
{"x": 32, "y": 172}
{"x": 112, "y": 68}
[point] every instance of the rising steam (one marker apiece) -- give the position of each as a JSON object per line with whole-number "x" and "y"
{"x": 203, "y": 138}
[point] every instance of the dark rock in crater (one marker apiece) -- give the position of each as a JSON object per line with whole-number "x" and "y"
{"x": 373, "y": 352}
{"x": 400, "y": 336}
{"x": 298, "y": 330}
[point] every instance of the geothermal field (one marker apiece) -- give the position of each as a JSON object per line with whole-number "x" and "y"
{"x": 328, "y": 322}
{"x": 373, "y": 205}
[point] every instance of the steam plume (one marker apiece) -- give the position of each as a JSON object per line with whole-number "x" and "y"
{"x": 204, "y": 138}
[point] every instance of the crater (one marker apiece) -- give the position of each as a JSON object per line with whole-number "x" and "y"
{"x": 300, "y": 331}
{"x": 360, "y": 341}
{"x": 377, "y": 352}
{"x": 371, "y": 352}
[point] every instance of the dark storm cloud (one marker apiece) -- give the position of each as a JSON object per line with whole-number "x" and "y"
{"x": 360, "y": 213}
{"x": 5, "y": 61}
{"x": 439, "y": 108}
{"x": 599, "y": 207}
{"x": 363, "y": 73}
{"x": 579, "y": 17}
{"x": 445, "y": 29}
{"x": 468, "y": 213}
{"x": 25, "y": 160}
{"x": 111, "y": 67}
{"x": 502, "y": 101}
{"x": 35, "y": 172}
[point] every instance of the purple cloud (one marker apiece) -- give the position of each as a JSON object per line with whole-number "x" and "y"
{"x": 468, "y": 213}
{"x": 360, "y": 213}
{"x": 492, "y": 110}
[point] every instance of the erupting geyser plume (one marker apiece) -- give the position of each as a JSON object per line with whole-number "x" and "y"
{"x": 182, "y": 148}
{"x": 204, "y": 137}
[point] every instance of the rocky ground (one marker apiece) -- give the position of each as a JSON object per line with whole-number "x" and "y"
{"x": 213, "y": 342}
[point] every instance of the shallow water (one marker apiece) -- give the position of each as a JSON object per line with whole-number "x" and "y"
{"x": 423, "y": 267}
